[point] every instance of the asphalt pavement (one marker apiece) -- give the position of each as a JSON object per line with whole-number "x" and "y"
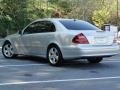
{"x": 35, "y": 73}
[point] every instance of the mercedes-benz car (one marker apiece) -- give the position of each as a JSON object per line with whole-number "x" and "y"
{"x": 61, "y": 39}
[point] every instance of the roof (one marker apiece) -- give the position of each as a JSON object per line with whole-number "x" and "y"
{"x": 56, "y": 19}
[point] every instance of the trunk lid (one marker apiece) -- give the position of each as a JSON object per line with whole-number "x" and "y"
{"x": 96, "y": 37}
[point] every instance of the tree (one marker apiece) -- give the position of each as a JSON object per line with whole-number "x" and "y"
{"x": 13, "y": 14}
{"x": 100, "y": 17}
{"x": 16, "y": 14}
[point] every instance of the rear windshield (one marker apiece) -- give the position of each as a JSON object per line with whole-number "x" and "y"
{"x": 78, "y": 25}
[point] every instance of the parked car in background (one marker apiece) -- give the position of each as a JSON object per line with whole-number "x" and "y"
{"x": 61, "y": 39}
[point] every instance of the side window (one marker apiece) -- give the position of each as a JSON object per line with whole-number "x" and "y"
{"x": 40, "y": 27}
{"x": 50, "y": 27}
{"x": 30, "y": 29}
{"x": 44, "y": 26}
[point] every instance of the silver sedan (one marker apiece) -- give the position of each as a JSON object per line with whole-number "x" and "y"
{"x": 61, "y": 39}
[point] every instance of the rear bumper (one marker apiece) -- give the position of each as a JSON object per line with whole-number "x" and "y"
{"x": 89, "y": 51}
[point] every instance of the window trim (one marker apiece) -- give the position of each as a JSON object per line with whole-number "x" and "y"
{"x": 35, "y": 22}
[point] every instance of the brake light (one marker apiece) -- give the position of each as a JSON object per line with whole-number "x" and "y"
{"x": 80, "y": 39}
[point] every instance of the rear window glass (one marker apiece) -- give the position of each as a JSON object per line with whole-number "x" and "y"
{"x": 78, "y": 25}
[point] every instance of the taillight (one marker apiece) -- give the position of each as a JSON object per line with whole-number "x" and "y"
{"x": 80, "y": 39}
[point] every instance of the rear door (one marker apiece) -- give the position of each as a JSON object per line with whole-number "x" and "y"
{"x": 44, "y": 34}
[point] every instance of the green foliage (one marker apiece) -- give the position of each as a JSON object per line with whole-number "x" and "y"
{"x": 53, "y": 1}
{"x": 100, "y": 17}
{"x": 16, "y": 14}
{"x": 12, "y": 15}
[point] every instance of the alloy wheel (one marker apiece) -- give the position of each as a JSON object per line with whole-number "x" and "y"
{"x": 7, "y": 50}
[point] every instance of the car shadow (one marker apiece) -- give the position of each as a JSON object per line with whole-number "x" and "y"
{"x": 77, "y": 64}
{"x": 32, "y": 59}
{"x": 86, "y": 65}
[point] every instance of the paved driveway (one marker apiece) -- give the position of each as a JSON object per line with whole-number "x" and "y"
{"x": 34, "y": 73}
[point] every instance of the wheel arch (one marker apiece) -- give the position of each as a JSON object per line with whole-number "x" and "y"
{"x": 53, "y": 44}
{"x": 60, "y": 55}
{"x": 9, "y": 41}
{"x": 6, "y": 41}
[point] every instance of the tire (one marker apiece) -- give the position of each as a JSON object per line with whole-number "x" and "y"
{"x": 54, "y": 56}
{"x": 8, "y": 51}
{"x": 95, "y": 60}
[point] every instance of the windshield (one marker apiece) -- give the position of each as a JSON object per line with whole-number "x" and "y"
{"x": 78, "y": 25}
